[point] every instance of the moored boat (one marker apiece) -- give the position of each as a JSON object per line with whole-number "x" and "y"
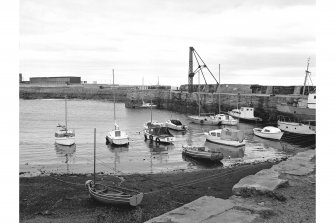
{"x": 226, "y": 119}
{"x": 64, "y": 136}
{"x": 116, "y": 136}
{"x": 201, "y": 152}
{"x": 159, "y": 134}
{"x": 245, "y": 113}
{"x": 307, "y": 127}
{"x": 175, "y": 124}
{"x": 205, "y": 119}
{"x": 269, "y": 132}
{"x": 114, "y": 195}
{"x": 148, "y": 105}
{"x": 226, "y": 136}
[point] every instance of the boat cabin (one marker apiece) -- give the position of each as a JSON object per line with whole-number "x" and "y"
{"x": 311, "y": 101}
{"x": 176, "y": 122}
{"x": 227, "y": 133}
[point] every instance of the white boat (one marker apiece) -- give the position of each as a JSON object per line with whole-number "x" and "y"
{"x": 244, "y": 113}
{"x": 152, "y": 123}
{"x": 175, "y": 124}
{"x": 226, "y": 136}
{"x": 148, "y": 105}
{"x": 64, "y": 136}
{"x": 205, "y": 119}
{"x": 226, "y": 119}
{"x": 269, "y": 132}
{"x": 116, "y": 136}
{"x": 201, "y": 152}
{"x": 159, "y": 134}
{"x": 307, "y": 127}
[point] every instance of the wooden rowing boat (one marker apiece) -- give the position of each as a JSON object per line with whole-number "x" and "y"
{"x": 201, "y": 152}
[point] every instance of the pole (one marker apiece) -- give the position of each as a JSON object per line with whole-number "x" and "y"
{"x": 151, "y": 111}
{"x": 65, "y": 113}
{"x": 94, "y": 153}
{"x": 219, "y": 93}
{"x": 199, "y": 90}
{"x": 114, "y": 101}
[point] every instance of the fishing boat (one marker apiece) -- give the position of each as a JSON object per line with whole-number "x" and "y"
{"x": 226, "y": 119}
{"x": 175, "y": 124}
{"x": 113, "y": 195}
{"x": 148, "y": 105}
{"x": 245, "y": 113}
{"x": 201, "y": 152}
{"x": 307, "y": 127}
{"x": 269, "y": 132}
{"x": 117, "y": 136}
{"x": 159, "y": 134}
{"x": 226, "y": 136}
{"x": 149, "y": 124}
{"x": 64, "y": 136}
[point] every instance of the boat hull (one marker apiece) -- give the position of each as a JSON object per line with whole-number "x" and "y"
{"x": 118, "y": 141}
{"x": 255, "y": 119}
{"x": 206, "y": 156}
{"x": 204, "y": 120}
{"x": 220, "y": 141}
{"x": 296, "y": 128}
{"x": 114, "y": 199}
{"x": 65, "y": 141}
{"x": 273, "y": 136}
{"x": 158, "y": 139}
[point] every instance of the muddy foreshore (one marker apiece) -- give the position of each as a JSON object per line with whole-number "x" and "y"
{"x": 64, "y": 198}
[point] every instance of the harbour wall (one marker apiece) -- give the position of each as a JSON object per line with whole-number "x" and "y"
{"x": 265, "y": 105}
{"x": 89, "y": 92}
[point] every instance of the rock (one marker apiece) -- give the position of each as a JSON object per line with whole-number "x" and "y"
{"x": 264, "y": 182}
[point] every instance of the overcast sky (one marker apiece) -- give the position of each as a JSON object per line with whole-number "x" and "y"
{"x": 255, "y": 41}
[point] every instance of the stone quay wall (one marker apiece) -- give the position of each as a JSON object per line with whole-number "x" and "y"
{"x": 187, "y": 103}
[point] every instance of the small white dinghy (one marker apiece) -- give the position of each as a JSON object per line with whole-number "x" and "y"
{"x": 269, "y": 132}
{"x": 226, "y": 136}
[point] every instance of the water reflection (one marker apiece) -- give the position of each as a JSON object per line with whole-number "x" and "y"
{"x": 67, "y": 152}
{"x": 116, "y": 150}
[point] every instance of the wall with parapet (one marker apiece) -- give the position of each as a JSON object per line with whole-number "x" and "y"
{"x": 187, "y": 103}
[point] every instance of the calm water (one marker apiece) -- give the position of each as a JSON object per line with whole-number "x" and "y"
{"x": 39, "y": 118}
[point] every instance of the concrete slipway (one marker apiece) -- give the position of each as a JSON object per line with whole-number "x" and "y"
{"x": 283, "y": 193}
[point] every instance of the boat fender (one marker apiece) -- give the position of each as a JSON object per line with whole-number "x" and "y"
{"x": 151, "y": 137}
{"x": 158, "y": 140}
{"x": 202, "y": 121}
{"x": 145, "y": 137}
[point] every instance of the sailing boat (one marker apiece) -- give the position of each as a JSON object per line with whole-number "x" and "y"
{"x": 64, "y": 136}
{"x": 112, "y": 194}
{"x": 204, "y": 119}
{"x": 225, "y": 118}
{"x": 117, "y": 136}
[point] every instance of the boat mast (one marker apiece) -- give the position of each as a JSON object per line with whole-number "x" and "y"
{"x": 66, "y": 114}
{"x": 307, "y": 73}
{"x": 151, "y": 111}
{"x": 114, "y": 102}
{"x": 219, "y": 93}
{"x": 199, "y": 90}
{"x": 94, "y": 154}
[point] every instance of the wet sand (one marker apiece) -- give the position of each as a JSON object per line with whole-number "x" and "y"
{"x": 64, "y": 198}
